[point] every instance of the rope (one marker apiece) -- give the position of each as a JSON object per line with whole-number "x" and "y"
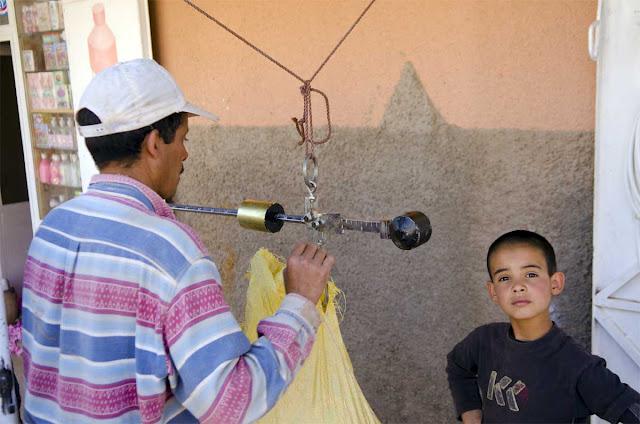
{"x": 304, "y": 126}
{"x": 247, "y": 42}
{"x": 366, "y": 9}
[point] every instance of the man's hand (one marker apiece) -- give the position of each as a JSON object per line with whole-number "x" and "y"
{"x": 472, "y": 417}
{"x": 307, "y": 271}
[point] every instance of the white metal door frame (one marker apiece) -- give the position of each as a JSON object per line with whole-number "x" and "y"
{"x": 614, "y": 42}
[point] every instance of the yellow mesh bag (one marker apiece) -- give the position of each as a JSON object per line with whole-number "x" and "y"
{"x": 325, "y": 389}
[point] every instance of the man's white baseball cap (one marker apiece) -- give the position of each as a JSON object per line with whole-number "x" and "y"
{"x": 132, "y": 95}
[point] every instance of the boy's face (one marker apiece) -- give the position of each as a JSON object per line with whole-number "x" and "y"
{"x": 520, "y": 282}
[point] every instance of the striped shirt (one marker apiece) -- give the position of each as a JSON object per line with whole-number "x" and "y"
{"x": 124, "y": 320}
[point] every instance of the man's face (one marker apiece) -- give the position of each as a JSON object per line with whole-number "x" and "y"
{"x": 174, "y": 154}
{"x": 521, "y": 284}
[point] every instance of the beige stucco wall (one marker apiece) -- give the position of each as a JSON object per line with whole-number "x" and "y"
{"x": 479, "y": 113}
{"x": 485, "y": 63}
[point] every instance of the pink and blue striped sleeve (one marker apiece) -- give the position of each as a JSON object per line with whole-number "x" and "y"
{"x": 216, "y": 373}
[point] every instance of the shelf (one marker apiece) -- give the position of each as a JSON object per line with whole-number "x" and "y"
{"x": 62, "y": 149}
{"x": 39, "y": 33}
{"x": 53, "y": 111}
{"x": 47, "y": 70}
{"x": 59, "y": 186}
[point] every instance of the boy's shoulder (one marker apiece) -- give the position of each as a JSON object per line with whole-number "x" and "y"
{"x": 578, "y": 354}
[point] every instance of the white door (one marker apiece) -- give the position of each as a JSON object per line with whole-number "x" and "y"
{"x": 614, "y": 41}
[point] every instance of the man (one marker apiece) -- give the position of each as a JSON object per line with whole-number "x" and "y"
{"x": 123, "y": 314}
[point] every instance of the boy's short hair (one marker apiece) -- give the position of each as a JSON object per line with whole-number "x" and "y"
{"x": 528, "y": 238}
{"x": 124, "y": 148}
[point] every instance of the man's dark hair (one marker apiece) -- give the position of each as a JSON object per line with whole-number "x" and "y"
{"x": 529, "y": 238}
{"x": 124, "y": 147}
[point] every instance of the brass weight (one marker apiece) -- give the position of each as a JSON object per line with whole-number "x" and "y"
{"x": 260, "y": 215}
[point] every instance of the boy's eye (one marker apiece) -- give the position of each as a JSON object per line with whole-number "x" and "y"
{"x": 503, "y": 278}
{"x": 531, "y": 275}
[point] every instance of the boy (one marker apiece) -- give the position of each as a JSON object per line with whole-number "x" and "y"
{"x": 530, "y": 370}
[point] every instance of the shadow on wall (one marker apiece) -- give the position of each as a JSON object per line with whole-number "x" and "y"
{"x": 405, "y": 309}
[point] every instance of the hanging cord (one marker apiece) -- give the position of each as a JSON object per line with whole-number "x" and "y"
{"x": 304, "y": 126}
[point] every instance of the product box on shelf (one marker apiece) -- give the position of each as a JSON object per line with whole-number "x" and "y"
{"x": 62, "y": 59}
{"x": 49, "y": 90}
{"x": 50, "y": 59}
{"x": 55, "y": 55}
{"x": 63, "y": 96}
{"x": 40, "y": 130}
{"x": 34, "y": 90}
{"x": 41, "y": 90}
{"x": 42, "y": 16}
{"x": 28, "y": 61}
{"x": 55, "y": 14}
{"x": 43, "y": 19}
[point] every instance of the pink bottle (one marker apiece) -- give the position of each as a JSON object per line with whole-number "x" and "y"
{"x": 44, "y": 169}
{"x": 102, "y": 43}
{"x": 54, "y": 169}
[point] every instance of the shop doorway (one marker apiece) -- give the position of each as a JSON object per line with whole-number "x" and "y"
{"x": 15, "y": 218}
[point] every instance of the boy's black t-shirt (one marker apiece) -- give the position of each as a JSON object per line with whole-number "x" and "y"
{"x": 549, "y": 380}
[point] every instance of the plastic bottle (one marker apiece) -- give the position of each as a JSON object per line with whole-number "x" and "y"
{"x": 52, "y": 133}
{"x": 44, "y": 171}
{"x": 69, "y": 134}
{"x": 62, "y": 133}
{"x": 64, "y": 170}
{"x": 102, "y": 43}
{"x": 60, "y": 138}
{"x": 55, "y": 169}
{"x": 53, "y": 202}
{"x": 75, "y": 170}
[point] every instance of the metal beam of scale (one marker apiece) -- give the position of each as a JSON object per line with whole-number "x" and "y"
{"x": 407, "y": 231}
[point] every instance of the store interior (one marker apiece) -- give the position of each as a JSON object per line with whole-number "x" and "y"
{"x": 15, "y": 220}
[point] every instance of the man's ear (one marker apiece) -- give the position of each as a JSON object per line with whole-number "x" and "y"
{"x": 492, "y": 291}
{"x": 557, "y": 283}
{"x": 151, "y": 144}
